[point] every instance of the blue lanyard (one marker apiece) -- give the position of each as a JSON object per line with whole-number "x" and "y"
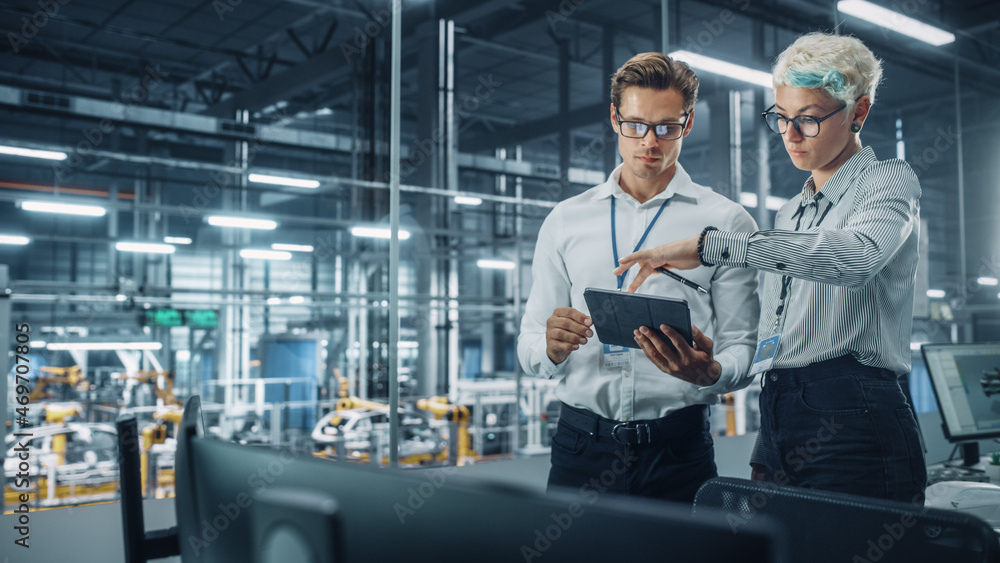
{"x": 614, "y": 239}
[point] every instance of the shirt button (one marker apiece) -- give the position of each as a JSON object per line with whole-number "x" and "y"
{"x": 773, "y": 376}
{"x": 725, "y": 254}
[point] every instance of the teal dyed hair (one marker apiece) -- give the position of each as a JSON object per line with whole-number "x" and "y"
{"x": 840, "y": 65}
{"x": 832, "y": 81}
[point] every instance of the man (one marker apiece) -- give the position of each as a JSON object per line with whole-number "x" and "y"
{"x": 625, "y": 426}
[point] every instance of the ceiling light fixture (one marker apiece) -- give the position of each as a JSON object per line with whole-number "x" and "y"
{"x": 147, "y": 247}
{"x": 715, "y": 66}
{"x": 936, "y": 293}
{"x": 292, "y": 247}
{"x": 465, "y": 200}
{"x": 103, "y": 346}
{"x": 987, "y": 281}
{"x": 895, "y": 21}
{"x": 14, "y": 239}
{"x": 242, "y": 222}
{"x": 64, "y": 208}
{"x": 32, "y": 153}
{"x": 373, "y": 232}
{"x": 177, "y": 240}
{"x": 496, "y": 264}
{"x": 283, "y": 181}
{"x": 261, "y": 254}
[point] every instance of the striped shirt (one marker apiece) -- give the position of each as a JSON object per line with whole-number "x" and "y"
{"x": 849, "y": 253}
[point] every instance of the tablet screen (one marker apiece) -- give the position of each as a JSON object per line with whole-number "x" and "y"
{"x": 618, "y": 314}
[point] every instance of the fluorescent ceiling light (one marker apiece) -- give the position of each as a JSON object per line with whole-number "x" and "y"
{"x": 896, "y": 22}
{"x": 121, "y": 297}
{"x": 372, "y": 232}
{"x": 283, "y": 181}
{"x": 265, "y": 254}
{"x": 14, "y": 239}
{"x": 496, "y": 264}
{"x": 37, "y": 344}
{"x": 104, "y": 346}
{"x": 222, "y": 221}
{"x": 148, "y": 247}
{"x": 935, "y": 293}
{"x": 296, "y": 299}
{"x": 915, "y": 345}
{"x": 408, "y": 344}
{"x": 32, "y": 153}
{"x": 987, "y": 281}
{"x": 292, "y": 247}
{"x": 177, "y": 240}
{"x": 68, "y": 209}
{"x": 463, "y": 200}
{"x": 273, "y": 300}
{"x": 715, "y": 66}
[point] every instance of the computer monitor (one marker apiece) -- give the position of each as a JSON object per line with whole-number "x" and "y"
{"x": 246, "y": 503}
{"x": 966, "y": 382}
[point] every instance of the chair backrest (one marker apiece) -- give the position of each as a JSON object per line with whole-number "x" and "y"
{"x": 826, "y": 526}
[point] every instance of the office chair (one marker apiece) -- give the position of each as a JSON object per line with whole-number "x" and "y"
{"x": 823, "y": 526}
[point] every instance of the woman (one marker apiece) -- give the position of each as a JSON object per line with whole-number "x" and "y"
{"x": 836, "y": 288}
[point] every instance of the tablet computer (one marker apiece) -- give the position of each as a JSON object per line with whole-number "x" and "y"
{"x": 617, "y": 314}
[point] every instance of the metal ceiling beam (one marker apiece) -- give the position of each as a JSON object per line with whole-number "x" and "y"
{"x": 304, "y": 76}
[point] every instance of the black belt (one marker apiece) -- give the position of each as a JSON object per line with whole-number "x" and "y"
{"x": 677, "y": 424}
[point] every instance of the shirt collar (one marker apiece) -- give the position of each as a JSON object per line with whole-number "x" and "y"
{"x": 837, "y": 185}
{"x": 681, "y": 185}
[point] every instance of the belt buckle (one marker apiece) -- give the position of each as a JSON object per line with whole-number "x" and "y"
{"x": 638, "y": 433}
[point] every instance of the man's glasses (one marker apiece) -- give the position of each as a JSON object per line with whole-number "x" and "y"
{"x": 663, "y": 131}
{"x": 806, "y": 125}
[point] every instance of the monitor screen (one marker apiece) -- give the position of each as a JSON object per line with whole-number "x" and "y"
{"x": 235, "y": 503}
{"x": 966, "y": 381}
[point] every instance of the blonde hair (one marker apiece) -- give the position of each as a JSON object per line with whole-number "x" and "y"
{"x": 658, "y": 71}
{"x": 840, "y": 65}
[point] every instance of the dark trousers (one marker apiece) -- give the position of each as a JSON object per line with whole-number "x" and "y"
{"x": 838, "y": 425}
{"x": 667, "y": 458}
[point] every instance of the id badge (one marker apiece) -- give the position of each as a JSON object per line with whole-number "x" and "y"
{"x": 766, "y": 350}
{"x": 616, "y": 356}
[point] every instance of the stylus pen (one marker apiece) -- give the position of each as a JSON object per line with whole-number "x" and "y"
{"x": 684, "y": 281}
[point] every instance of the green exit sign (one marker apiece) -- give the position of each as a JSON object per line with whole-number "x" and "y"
{"x": 201, "y": 318}
{"x": 196, "y": 318}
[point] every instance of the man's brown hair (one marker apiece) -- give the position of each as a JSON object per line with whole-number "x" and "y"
{"x": 657, "y": 71}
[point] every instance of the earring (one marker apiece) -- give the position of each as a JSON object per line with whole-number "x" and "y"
{"x": 855, "y": 127}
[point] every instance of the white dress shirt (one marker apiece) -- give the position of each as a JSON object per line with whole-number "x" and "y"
{"x": 574, "y": 252}
{"x": 851, "y": 253}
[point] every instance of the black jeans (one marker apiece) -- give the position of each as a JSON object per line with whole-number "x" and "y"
{"x": 838, "y": 425}
{"x": 677, "y": 457}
